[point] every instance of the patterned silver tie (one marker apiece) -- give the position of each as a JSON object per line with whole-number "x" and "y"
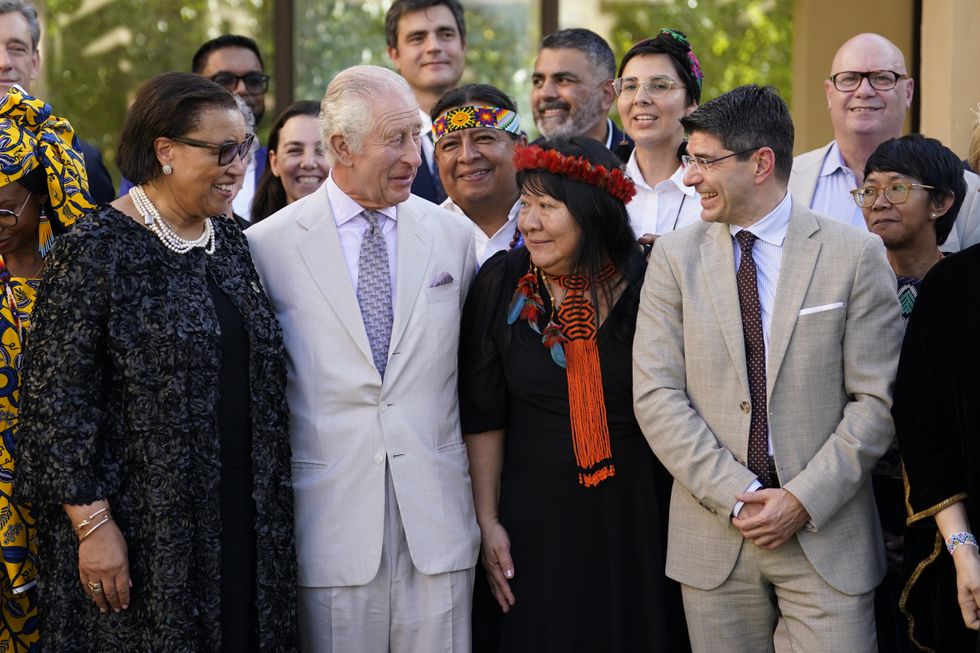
{"x": 374, "y": 290}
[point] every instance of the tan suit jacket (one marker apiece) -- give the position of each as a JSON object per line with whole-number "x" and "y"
{"x": 966, "y": 229}
{"x": 345, "y": 424}
{"x": 834, "y": 342}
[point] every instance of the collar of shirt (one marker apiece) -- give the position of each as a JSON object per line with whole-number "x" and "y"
{"x": 345, "y": 209}
{"x": 609, "y": 134}
{"x": 773, "y": 227}
{"x": 834, "y": 163}
{"x": 428, "y": 142}
{"x": 676, "y": 179}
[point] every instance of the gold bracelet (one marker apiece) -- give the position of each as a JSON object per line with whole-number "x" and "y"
{"x": 94, "y": 528}
{"x": 88, "y": 520}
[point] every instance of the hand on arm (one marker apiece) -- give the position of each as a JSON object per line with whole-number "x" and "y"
{"x": 770, "y": 517}
{"x": 966, "y": 559}
{"x": 103, "y": 562}
{"x": 486, "y": 454}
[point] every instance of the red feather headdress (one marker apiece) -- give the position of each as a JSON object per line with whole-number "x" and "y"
{"x": 614, "y": 182}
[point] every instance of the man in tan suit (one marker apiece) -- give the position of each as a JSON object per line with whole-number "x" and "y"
{"x": 765, "y": 349}
{"x": 868, "y": 94}
{"x": 368, "y": 283}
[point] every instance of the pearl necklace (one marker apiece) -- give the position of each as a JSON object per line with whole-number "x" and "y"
{"x": 170, "y": 239}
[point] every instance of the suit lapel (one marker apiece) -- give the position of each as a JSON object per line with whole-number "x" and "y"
{"x": 414, "y": 249}
{"x": 800, "y": 254}
{"x": 320, "y": 250}
{"x": 718, "y": 260}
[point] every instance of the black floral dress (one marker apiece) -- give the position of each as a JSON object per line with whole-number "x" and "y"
{"x": 121, "y": 399}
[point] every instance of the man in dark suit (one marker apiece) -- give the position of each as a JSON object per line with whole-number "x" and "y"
{"x": 572, "y": 91}
{"x": 20, "y": 63}
{"x": 427, "y": 45}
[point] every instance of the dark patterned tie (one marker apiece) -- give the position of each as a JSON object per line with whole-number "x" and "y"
{"x": 755, "y": 357}
{"x": 374, "y": 290}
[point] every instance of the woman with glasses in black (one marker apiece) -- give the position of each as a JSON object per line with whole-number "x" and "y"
{"x": 154, "y": 445}
{"x": 659, "y": 82}
{"x": 913, "y": 189}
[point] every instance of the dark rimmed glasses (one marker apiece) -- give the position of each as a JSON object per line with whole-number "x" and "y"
{"x": 866, "y": 196}
{"x": 703, "y": 165}
{"x": 656, "y": 87}
{"x": 880, "y": 80}
{"x": 8, "y": 218}
{"x": 226, "y": 151}
{"x": 255, "y": 83}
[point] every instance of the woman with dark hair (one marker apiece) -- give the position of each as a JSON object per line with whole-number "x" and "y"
{"x": 913, "y": 189}
{"x": 475, "y": 129}
{"x": 153, "y": 442}
{"x": 296, "y": 165}
{"x": 937, "y": 420}
{"x": 564, "y": 483}
{"x": 659, "y": 82}
{"x": 43, "y": 191}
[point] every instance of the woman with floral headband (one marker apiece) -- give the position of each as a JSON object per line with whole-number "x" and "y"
{"x": 43, "y": 190}
{"x": 564, "y": 483}
{"x": 659, "y": 82}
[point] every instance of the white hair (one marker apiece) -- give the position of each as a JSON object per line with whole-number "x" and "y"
{"x": 348, "y": 106}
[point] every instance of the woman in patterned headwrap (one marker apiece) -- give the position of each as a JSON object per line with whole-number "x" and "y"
{"x": 43, "y": 190}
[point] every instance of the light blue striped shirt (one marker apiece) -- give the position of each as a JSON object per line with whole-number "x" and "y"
{"x": 832, "y": 196}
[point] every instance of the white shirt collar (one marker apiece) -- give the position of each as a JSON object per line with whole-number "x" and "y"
{"x": 344, "y": 208}
{"x": 773, "y": 227}
{"x": 676, "y": 179}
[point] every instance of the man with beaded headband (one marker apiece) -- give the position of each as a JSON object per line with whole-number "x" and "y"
{"x": 43, "y": 190}
{"x": 476, "y": 128}
{"x": 567, "y": 494}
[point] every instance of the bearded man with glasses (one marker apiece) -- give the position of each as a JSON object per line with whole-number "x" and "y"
{"x": 868, "y": 92}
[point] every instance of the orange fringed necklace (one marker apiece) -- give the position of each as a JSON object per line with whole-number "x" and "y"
{"x": 571, "y": 336}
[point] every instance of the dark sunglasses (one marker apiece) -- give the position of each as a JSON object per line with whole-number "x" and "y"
{"x": 226, "y": 151}
{"x": 255, "y": 83}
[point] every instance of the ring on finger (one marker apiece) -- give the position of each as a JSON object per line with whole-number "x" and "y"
{"x": 95, "y": 586}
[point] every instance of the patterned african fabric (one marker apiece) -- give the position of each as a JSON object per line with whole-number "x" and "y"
{"x": 18, "y": 611}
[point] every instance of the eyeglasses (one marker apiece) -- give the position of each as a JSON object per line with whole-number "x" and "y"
{"x": 703, "y": 165}
{"x": 8, "y": 218}
{"x": 226, "y": 151}
{"x": 656, "y": 87}
{"x": 880, "y": 80}
{"x": 866, "y": 196}
{"x": 255, "y": 83}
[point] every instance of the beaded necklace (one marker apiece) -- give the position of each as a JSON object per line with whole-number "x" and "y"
{"x": 170, "y": 239}
{"x": 11, "y": 301}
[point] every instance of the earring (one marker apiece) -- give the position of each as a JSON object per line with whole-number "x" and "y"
{"x": 167, "y": 169}
{"x": 933, "y": 215}
{"x": 44, "y": 234}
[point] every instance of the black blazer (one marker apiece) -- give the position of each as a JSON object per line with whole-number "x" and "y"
{"x": 99, "y": 181}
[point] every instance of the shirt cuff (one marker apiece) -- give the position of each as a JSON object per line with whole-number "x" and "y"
{"x": 755, "y": 485}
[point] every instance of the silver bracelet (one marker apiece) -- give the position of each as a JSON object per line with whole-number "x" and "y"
{"x": 959, "y": 539}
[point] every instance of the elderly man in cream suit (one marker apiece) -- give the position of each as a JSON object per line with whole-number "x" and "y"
{"x": 765, "y": 349}
{"x": 368, "y": 283}
{"x": 864, "y": 116}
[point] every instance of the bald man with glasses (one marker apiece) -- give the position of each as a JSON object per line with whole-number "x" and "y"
{"x": 868, "y": 93}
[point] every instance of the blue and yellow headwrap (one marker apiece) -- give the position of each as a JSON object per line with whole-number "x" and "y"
{"x": 471, "y": 117}
{"x": 30, "y": 137}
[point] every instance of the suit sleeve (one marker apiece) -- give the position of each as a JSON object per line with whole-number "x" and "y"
{"x": 676, "y": 432}
{"x": 870, "y": 348}
{"x": 99, "y": 181}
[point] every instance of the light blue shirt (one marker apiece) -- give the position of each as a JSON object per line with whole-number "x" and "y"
{"x": 832, "y": 196}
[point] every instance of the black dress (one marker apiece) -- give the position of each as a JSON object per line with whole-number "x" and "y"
{"x": 937, "y": 422}
{"x": 126, "y": 397}
{"x": 589, "y": 562}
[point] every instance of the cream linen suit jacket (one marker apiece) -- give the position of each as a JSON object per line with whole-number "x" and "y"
{"x": 344, "y": 422}
{"x": 834, "y": 343}
{"x": 966, "y": 228}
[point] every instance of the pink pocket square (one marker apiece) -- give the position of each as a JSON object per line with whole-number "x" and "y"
{"x": 441, "y": 280}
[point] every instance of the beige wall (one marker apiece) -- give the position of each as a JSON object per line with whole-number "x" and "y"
{"x": 948, "y": 90}
{"x": 819, "y": 29}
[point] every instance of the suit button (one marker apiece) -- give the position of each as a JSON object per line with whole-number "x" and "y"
{"x": 745, "y": 406}
{"x": 379, "y": 458}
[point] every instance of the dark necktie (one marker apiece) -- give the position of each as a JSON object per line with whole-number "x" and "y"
{"x": 374, "y": 290}
{"x": 755, "y": 358}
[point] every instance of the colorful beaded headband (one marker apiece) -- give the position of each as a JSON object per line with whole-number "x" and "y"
{"x": 614, "y": 182}
{"x": 473, "y": 117}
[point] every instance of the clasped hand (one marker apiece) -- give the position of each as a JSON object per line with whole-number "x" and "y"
{"x": 770, "y": 518}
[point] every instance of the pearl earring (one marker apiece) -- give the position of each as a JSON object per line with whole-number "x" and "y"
{"x": 167, "y": 169}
